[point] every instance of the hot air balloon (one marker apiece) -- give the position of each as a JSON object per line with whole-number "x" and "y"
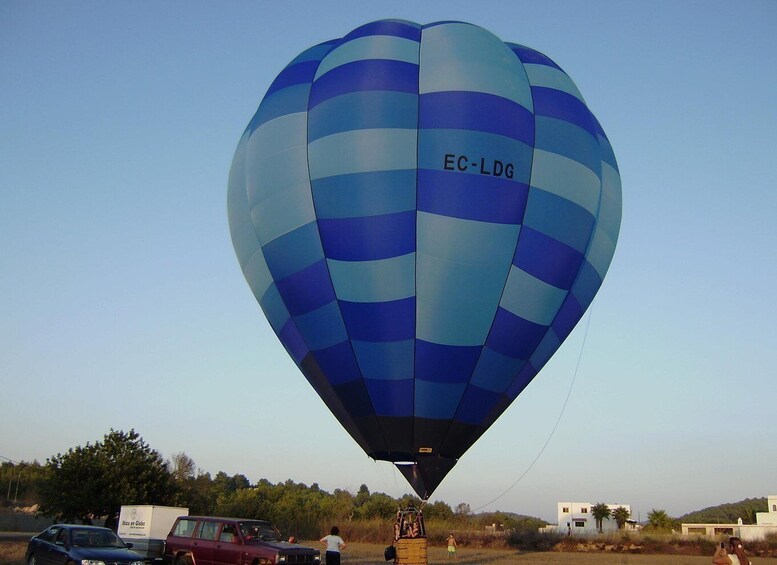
{"x": 424, "y": 213}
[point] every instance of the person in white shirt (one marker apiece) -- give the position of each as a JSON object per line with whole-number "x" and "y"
{"x": 334, "y": 544}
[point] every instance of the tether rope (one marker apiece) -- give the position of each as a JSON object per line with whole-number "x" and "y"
{"x": 555, "y": 426}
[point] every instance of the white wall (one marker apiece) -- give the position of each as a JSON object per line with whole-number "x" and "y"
{"x": 581, "y": 521}
{"x": 768, "y": 518}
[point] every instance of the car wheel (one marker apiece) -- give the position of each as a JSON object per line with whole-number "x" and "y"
{"x": 32, "y": 560}
{"x": 184, "y": 560}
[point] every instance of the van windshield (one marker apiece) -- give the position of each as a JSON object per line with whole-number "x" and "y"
{"x": 259, "y": 530}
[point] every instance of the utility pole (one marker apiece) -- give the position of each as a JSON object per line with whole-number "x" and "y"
{"x": 16, "y": 494}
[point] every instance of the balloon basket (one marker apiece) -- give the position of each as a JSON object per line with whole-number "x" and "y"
{"x": 410, "y": 544}
{"x": 411, "y": 551}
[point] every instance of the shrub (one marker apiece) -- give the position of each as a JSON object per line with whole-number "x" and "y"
{"x": 706, "y": 545}
{"x": 657, "y": 545}
{"x": 568, "y": 543}
{"x": 532, "y": 539}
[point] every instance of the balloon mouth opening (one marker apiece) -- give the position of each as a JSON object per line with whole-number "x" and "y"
{"x": 425, "y": 473}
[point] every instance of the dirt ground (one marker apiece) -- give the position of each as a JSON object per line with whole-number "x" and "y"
{"x": 12, "y": 553}
{"x": 372, "y": 554}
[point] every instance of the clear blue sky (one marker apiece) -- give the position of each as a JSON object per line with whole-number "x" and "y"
{"x": 122, "y": 304}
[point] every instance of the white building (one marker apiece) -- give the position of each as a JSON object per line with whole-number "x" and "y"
{"x": 576, "y": 518}
{"x": 768, "y": 518}
{"x": 765, "y": 524}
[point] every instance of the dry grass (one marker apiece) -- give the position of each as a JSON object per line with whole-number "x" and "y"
{"x": 372, "y": 554}
{"x": 12, "y": 553}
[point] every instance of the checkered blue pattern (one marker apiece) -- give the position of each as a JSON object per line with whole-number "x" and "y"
{"x": 423, "y": 213}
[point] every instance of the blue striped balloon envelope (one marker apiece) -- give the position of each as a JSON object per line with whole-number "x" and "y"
{"x": 424, "y": 213}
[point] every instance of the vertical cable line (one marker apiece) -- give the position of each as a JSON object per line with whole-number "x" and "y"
{"x": 334, "y": 46}
{"x": 555, "y": 426}
{"x": 507, "y": 275}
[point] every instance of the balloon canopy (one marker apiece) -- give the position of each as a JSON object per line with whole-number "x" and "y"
{"x": 424, "y": 213}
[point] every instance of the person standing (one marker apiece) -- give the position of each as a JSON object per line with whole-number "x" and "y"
{"x": 721, "y": 557}
{"x": 737, "y": 552}
{"x": 451, "y": 546}
{"x": 334, "y": 545}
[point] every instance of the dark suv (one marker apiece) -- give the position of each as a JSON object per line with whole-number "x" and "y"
{"x": 205, "y": 540}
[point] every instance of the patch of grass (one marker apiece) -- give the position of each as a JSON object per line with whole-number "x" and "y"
{"x": 12, "y": 552}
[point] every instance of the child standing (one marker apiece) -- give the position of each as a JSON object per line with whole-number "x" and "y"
{"x": 451, "y": 546}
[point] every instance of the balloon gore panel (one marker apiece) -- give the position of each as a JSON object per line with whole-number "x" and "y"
{"x": 424, "y": 213}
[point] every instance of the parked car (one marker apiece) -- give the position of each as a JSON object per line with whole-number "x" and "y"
{"x": 207, "y": 540}
{"x": 65, "y": 544}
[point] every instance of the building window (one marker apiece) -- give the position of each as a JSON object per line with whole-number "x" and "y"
{"x": 565, "y": 509}
{"x": 584, "y": 510}
{"x": 774, "y": 507}
{"x": 580, "y": 524}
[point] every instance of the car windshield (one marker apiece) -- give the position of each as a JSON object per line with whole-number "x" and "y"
{"x": 95, "y": 538}
{"x": 259, "y": 530}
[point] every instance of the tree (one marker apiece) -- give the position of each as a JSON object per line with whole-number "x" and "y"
{"x": 71, "y": 488}
{"x": 224, "y": 484}
{"x": 20, "y": 482}
{"x": 197, "y": 494}
{"x": 341, "y": 506}
{"x": 438, "y": 510}
{"x": 379, "y": 505}
{"x": 95, "y": 480}
{"x": 362, "y": 496}
{"x": 246, "y": 503}
{"x": 621, "y": 516}
{"x": 728, "y": 512}
{"x": 600, "y": 511}
{"x": 661, "y": 521}
{"x": 182, "y": 466}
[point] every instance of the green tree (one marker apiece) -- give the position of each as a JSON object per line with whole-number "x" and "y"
{"x": 339, "y": 506}
{"x": 362, "y": 496}
{"x": 224, "y": 484}
{"x": 95, "y": 480}
{"x": 728, "y": 512}
{"x": 246, "y": 503}
{"x": 20, "y": 482}
{"x": 70, "y": 491}
{"x": 463, "y": 509}
{"x": 438, "y": 510}
{"x": 379, "y": 505}
{"x": 197, "y": 494}
{"x": 659, "y": 520}
{"x": 621, "y": 516}
{"x": 408, "y": 500}
{"x": 601, "y": 512}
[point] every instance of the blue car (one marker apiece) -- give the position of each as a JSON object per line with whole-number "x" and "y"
{"x": 66, "y": 544}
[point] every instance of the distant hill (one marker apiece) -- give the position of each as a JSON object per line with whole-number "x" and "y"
{"x": 728, "y": 513}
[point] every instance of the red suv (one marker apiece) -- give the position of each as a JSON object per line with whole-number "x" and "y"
{"x": 205, "y": 540}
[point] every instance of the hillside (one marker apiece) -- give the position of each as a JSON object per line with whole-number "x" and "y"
{"x": 728, "y": 513}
